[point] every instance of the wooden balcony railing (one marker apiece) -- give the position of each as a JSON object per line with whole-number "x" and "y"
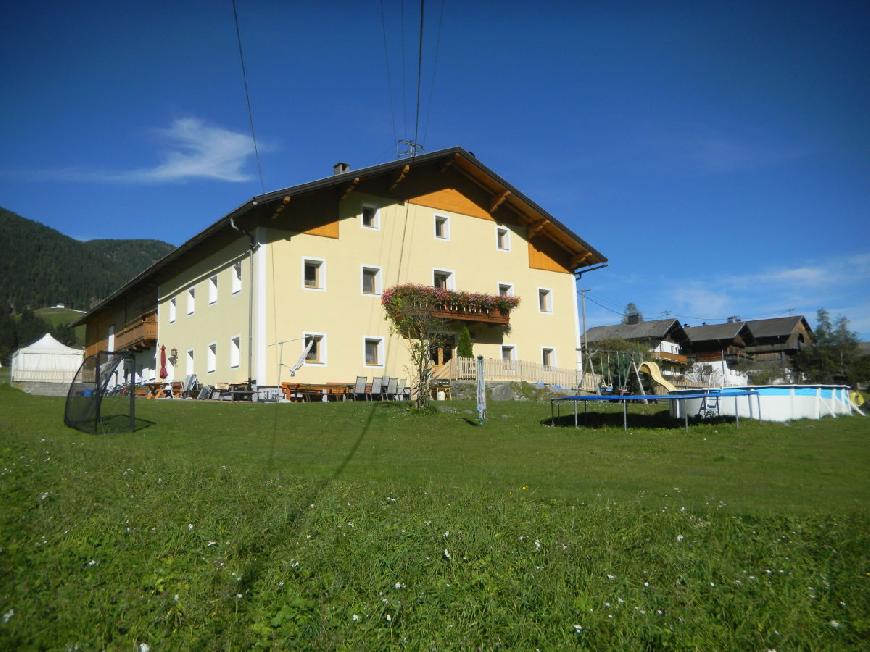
{"x": 138, "y": 334}
{"x": 679, "y": 358}
{"x": 463, "y": 313}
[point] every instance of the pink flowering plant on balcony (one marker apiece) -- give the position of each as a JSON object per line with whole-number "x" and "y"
{"x": 412, "y": 312}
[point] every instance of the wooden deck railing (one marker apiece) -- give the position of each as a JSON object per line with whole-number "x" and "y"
{"x": 516, "y": 371}
{"x": 141, "y": 333}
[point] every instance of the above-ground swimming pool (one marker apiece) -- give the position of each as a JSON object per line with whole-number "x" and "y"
{"x": 772, "y": 402}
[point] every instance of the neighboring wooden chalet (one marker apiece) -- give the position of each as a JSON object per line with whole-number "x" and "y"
{"x": 716, "y": 342}
{"x": 664, "y": 337}
{"x": 779, "y": 338}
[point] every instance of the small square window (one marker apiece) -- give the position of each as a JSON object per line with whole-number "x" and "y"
{"x": 212, "y": 357}
{"x": 373, "y": 351}
{"x": 443, "y": 279}
{"x": 545, "y": 300}
{"x": 371, "y": 280}
{"x": 442, "y": 227}
{"x": 172, "y": 310}
{"x": 212, "y": 289}
{"x": 503, "y": 238}
{"x": 237, "y": 277}
{"x": 314, "y": 274}
{"x": 507, "y": 354}
{"x": 316, "y": 354}
{"x": 505, "y": 289}
{"x": 370, "y": 217}
{"x": 191, "y": 301}
{"x": 548, "y": 357}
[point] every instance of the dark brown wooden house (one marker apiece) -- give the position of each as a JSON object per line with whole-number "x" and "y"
{"x": 779, "y": 338}
{"x": 718, "y": 342}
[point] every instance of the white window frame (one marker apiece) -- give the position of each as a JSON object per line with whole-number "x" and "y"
{"x": 446, "y": 219}
{"x": 451, "y": 280}
{"x": 321, "y": 274}
{"x": 381, "y": 351}
{"x": 235, "y": 351}
{"x": 236, "y": 271}
{"x": 507, "y": 233}
{"x": 191, "y": 300}
{"x": 212, "y": 289}
{"x": 323, "y": 348}
{"x": 173, "y": 307}
{"x": 211, "y": 358}
{"x": 554, "y": 361}
{"x": 189, "y": 362}
{"x": 545, "y": 312}
{"x": 510, "y": 285}
{"x": 513, "y": 349}
{"x": 379, "y": 280}
{"x": 376, "y": 225}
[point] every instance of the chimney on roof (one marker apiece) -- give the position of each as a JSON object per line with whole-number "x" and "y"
{"x": 340, "y": 168}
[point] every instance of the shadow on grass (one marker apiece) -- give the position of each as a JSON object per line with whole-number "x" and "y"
{"x": 120, "y": 423}
{"x": 661, "y": 419}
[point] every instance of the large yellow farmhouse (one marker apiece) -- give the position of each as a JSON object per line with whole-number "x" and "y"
{"x": 307, "y": 265}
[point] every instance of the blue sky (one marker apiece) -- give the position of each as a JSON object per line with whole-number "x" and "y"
{"x": 717, "y": 154}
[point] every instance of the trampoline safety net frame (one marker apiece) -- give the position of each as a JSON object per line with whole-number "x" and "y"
{"x": 101, "y": 397}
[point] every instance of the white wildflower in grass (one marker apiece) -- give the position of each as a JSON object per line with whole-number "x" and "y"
{"x": 835, "y": 624}
{"x": 144, "y": 647}
{"x": 646, "y": 584}
{"x": 446, "y": 554}
{"x": 212, "y": 543}
{"x": 92, "y": 562}
{"x": 399, "y": 585}
{"x": 8, "y": 616}
{"x": 43, "y": 495}
{"x": 537, "y": 544}
{"x": 176, "y": 597}
{"x": 238, "y": 596}
{"x": 389, "y": 618}
{"x": 611, "y": 577}
{"x": 447, "y": 534}
{"x": 189, "y": 526}
{"x": 680, "y": 538}
{"x": 294, "y": 563}
{"x": 578, "y": 629}
{"x": 355, "y": 618}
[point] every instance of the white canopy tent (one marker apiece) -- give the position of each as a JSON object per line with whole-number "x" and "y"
{"x": 46, "y": 361}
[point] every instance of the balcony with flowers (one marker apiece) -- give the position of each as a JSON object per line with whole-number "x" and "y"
{"x": 445, "y": 304}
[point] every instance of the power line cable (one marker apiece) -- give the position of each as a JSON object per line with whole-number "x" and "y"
{"x": 427, "y": 121}
{"x": 389, "y": 76}
{"x": 248, "y": 98}
{"x": 404, "y": 66}
{"x": 419, "y": 76}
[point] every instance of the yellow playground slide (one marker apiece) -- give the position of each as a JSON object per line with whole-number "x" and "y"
{"x": 656, "y": 374}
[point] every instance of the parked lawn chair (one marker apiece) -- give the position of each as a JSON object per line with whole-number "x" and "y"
{"x": 403, "y": 391}
{"x": 359, "y": 389}
{"x": 391, "y": 389}
{"x": 377, "y": 388}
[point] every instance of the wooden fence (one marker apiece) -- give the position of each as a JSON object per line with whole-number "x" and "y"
{"x": 516, "y": 371}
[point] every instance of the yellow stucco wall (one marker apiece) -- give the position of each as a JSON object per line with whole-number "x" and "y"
{"x": 284, "y": 310}
{"x": 216, "y": 322}
{"x": 346, "y": 316}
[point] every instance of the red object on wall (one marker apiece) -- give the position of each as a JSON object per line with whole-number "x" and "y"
{"x": 163, "y": 373}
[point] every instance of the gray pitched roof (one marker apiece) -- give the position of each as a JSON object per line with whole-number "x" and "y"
{"x": 643, "y": 330}
{"x": 727, "y": 331}
{"x": 776, "y": 326}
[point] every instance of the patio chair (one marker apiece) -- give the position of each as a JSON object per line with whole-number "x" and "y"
{"x": 359, "y": 389}
{"x": 391, "y": 390}
{"x": 400, "y": 389}
{"x": 377, "y": 387}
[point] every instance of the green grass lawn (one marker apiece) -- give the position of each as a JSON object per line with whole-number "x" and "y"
{"x": 55, "y": 316}
{"x": 368, "y": 526}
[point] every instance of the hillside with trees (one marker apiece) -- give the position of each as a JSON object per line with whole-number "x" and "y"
{"x": 43, "y": 267}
